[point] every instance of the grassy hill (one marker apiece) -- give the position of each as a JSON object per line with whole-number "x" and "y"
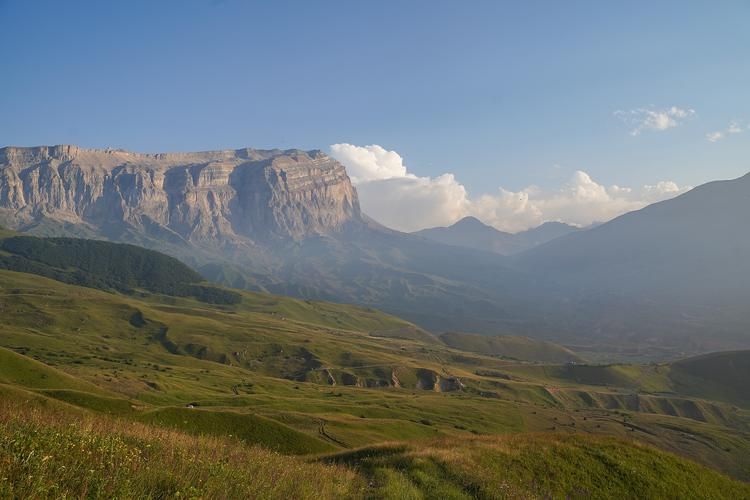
{"x": 522, "y": 348}
{"x": 307, "y": 377}
{"x": 54, "y": 451}
{"x": 720, "y": 375}
{"x": 16, "y": 369}
{"x": 535, "y": 466}
{"x": 105, "y": 265}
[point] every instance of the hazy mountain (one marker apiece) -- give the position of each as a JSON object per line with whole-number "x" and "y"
{"x": 695, "y": 245}
{"x": 671, "y": 278}
{"x": 678, "y": 268}
{"x": 281, "y": 221}
{"x": 470, "y": 232}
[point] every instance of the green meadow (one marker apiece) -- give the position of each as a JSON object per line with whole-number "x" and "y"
{"x": 277, "y": 397}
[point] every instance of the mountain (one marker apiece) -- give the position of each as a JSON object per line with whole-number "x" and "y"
{"x": 667, "y": 281}
{"x": 281, "y": 221}
{"x": 470, "y": 232}
{"x": 675, "y": 269}
{"x": 217, "y": 197}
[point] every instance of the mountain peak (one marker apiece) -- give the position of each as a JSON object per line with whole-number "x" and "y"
{"x": 470, "y": 221}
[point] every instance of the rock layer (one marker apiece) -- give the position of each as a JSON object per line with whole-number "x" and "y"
{"x": 211, "y": 197}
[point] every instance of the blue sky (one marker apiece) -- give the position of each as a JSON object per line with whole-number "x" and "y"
{"x": 497, "y": 93}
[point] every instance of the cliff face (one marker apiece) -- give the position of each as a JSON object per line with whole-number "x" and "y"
{"x": 212, "y": 197}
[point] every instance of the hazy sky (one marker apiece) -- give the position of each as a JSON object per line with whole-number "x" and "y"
{"x": 507, "y": 99}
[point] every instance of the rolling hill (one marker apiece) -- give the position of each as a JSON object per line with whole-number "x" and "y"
{"x": 719, "y": 375}
{"x": 306, "y": 377}
{"x": 505, "y": 346}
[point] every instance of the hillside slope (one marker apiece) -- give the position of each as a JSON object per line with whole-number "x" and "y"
{"x": 720, "y": 375}
{"x": 535, "y": 466}
{"x": 114, "y": 458}
{"x": 322, "y": 370}
{"x": 522, "y": 348}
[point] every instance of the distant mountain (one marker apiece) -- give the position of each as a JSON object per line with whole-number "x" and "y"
{"x": 678, "y": 268}
{"x": 671, "y": 279}
{"x": 271, "y": 220}
{"x": 692, "y": 246}
{"x": 470, "y": 232}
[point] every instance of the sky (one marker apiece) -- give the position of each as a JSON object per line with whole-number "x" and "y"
{"x": 515, "y": 112}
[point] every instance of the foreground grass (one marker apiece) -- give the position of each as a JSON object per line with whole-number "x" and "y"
{"x": 49, "y": 449}
{"x": 48, "y": 454}
{"x": 535, "y": 466}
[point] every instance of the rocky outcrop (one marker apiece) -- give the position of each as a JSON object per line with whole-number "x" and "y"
{"x": 215, "y": 197}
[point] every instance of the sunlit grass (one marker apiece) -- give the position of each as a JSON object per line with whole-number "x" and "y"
{"x": 48, "y": 454}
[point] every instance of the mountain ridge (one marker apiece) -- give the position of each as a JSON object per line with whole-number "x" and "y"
{"x": 470, "y": 232}
{"x": 289, "y": 222}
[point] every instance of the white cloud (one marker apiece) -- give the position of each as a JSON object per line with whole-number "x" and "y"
{"x": 369, "y": 163}
{"x": 410, "y": 203}
{"x": 404, "y": 201}
{"x": 733, "y": 128}
{"x": 715, "y": 136}
{"x": 641, "y": 119}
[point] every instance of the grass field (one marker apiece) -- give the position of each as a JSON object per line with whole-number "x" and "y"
{"x": 308, "y": 378}
{"x": 54, "y": 451}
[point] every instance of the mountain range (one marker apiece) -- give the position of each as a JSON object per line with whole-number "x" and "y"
{"x": 669, "y": 279}
{"x": 470, "y": 232}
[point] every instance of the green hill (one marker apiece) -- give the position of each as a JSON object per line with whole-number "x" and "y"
{"x": 308, "y": 377}
{"x": 522, "y": 348}
{"x": 720, "y": 375}
{"x": 51, "y": 451}
{"x": 25, "y": 372}
{"x": 535, "y": 466}
{"x": 248, "y": 428}
{"x": 48, "y": 451}
{"x": 107, "y": 266}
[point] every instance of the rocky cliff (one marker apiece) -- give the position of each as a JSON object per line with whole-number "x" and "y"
{"x": 215, "y": 197}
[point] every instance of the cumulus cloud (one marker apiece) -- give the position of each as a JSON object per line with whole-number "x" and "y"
{"x": 642, "y": 119}
{"x": 369, "y": 163}
{"x": 404, "y": 201}
{"x": 733, "y": 128}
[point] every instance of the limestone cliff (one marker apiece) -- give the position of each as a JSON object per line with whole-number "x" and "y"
{"x": 215, "y": 197}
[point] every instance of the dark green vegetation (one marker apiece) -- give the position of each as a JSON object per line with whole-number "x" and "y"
{"x": 144, "y": 378}
{"x": 107, "y": 266}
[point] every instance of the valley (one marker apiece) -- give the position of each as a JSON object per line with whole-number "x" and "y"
{"x": 312, "y": 378}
